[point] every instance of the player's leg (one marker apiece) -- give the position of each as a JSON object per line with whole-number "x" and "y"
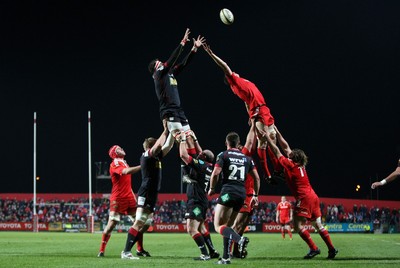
{"x": 133, "y": 233}
{"x": 240, "y": 224}
{"x": 193, "y": 227}
{"x": 140, "y": 251}
{"x": 262, "y": 150}
{"x": 326, "y": 237}
{"x": 288, "y": 229}
{"x": 282, "y": 230}
{"x": 299, "y": 223}
{"x": 113, "y": 219}
{"x": 207, "y": 239}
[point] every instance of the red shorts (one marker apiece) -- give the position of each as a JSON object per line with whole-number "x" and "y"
{"x": 284, "y": 221}
{"x": 263, "y": 115}
{"x": 308, "y": 207}
{"x": 123, "y": 206}
{"x": 247, "y": 205}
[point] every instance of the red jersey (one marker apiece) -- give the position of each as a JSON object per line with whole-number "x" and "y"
{"x": 249, "y": 183}
{"x": 251, "y": 95}
{"x": 297, "y": 178}
{"x": 284, "y": 209}
{"x": 121, "y": 183}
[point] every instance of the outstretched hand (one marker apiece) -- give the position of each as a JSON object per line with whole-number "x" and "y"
{"x": 186, "y": 36}
{"x": 199, "y": 42}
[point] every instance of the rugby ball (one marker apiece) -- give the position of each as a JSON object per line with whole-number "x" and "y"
{"x": 226, "y": 16}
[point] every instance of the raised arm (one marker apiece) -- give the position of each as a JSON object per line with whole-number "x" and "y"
{"x": 391, "y": 177}
{"x": 282, "y": 142}
{"x": 273, "y": 146}
{"x": 196, "y": 44}
{"x": 251, "y": 136}
{"x": 158, "y": 146}
{"x": 177, "y": 51}
{"x": 222, "y": 64}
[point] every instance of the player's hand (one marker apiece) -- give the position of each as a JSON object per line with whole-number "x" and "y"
{"x": 199, "y": 42}
{"x": 211, "y": 192}
{"x": 254, "y": 202}
{"x": 185, "y": 37}
{"x": 165, "y": 124}
{"x": 376, "y": 184}
{"x": 191, "y": 134}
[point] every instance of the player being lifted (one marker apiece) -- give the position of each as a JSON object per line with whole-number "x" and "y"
{"x": 166, "y": 86}
{"x": 255, "y": 105}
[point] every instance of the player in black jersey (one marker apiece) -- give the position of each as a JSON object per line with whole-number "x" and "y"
{"x": 166, "y": 85}
{"x": 201, "y": 166}
{"x": 234, "y": 166}
{"x": 151, "y": 168}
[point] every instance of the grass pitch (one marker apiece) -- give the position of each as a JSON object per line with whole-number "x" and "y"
{"x": 46, "y": 249}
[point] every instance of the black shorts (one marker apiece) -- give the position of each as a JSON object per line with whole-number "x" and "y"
{"x": 147, "y": 200}
{"x": 177, "y": 116}
{"x": 196, "y": 210}
{"x": 232, "y": 200}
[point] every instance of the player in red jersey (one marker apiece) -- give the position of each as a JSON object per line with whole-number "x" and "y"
{"x": 391, "y": 177}
{"x": 255, "y": 105}
{"x": 284, "y": 215}
{"x": 122, "y": 199}
{"x": 244, "y": 215}
{"x": 307, "y": 201}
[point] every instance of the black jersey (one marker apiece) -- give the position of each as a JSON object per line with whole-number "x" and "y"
{"x": 166, "y": 85}
{"x": 200, "y": 173}
{"x": 151, "y": 173}
{"x": 235, "y": 166}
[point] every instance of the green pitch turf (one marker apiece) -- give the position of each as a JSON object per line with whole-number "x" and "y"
{"x": 45, "y": 249}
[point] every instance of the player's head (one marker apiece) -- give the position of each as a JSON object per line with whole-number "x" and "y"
{"x": 116, "y": 152}
{"x": 232, "y": 140}
{"x": 283, "y": 198}
{"x": 299, "y": 157}
{"x": 154, "y": 65}
{"x": 207, "y": 156}
{"x": 148, "y": 143}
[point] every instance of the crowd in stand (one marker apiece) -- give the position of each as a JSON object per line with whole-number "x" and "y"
{"x": 173, "y": 211}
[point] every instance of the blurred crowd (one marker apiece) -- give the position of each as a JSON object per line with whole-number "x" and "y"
{"x": 173, "y": 211}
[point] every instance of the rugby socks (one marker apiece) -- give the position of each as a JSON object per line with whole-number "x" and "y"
{"x": 131, "y": 239}
{"x": 227, "y": 243}
{"x": 209, "y": 243}
{"x": 305, "y": 235}
{"x": 139, "y": 244}
{"x": 283, "y": 231}
{"x": 228, "y": 232}
{"x": 289, "y": 232}
{"x": 104, "y": 240}
{"x": 326, "y": 237}
{"x": 274, "y": 160}
{"x": 262, "y": 156}
{"x": 199, "y": 239}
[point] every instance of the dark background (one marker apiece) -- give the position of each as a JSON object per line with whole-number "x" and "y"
{"x": 329, "y": 71}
